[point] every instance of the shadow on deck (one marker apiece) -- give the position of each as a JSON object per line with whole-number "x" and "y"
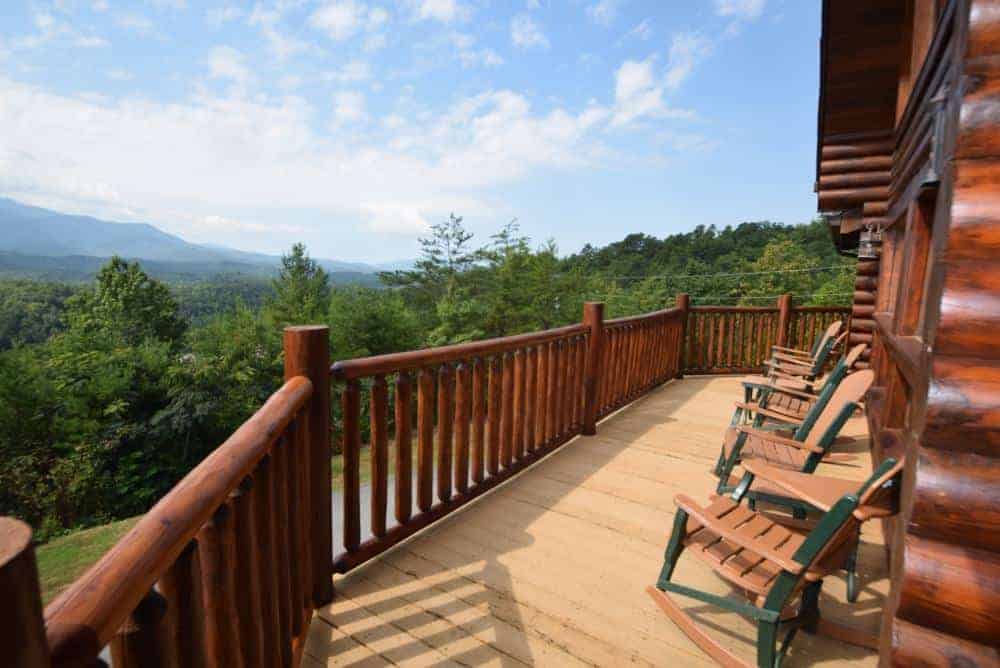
{"x": 550, "y": 568}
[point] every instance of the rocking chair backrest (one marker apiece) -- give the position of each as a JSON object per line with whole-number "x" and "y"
{"x": 827, "y": 345}
{"x": 840, "y": 406}
{"x": 853, "y": 355}
{"x": 830, "y": 385}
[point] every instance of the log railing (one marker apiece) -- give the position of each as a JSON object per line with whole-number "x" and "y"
{"x": 468, "y": 416}
{"x": 226, "y": 569}
{"x": 737, "y": 339}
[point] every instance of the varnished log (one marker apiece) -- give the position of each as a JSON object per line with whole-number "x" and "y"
{"x": 552, "y": 390}
{"x": 855, "y": 338}
{"x": 141, "y": 640}
{"x": 86, "y": 616}
{"x": 517, "y": 446}
{"x": 541, "y": 398}
{"x": 248, "y": 574}
{"x": 864, "y": 297}
{"x": 530, "y": 399}
{"x": 865, "y": 283}
{"x": 378, "y": 414}
{"x": 593, "y": 318}
{"x": 862, "y": 310}
{"x": 507, "y": 411}
{"x": 425, "y": 440}
{"x": 914, "y": 645}
{"x": 22, "y": 629}
{"x": 850, "y": 165}
{"x": 351, "y": 446}
{"x": 862, "y": 325}
{"x": 494, "y": 409}
{"x": 479, "y": 396}
{"x": 404, "y": 447}
{"x": 286, "y": 590}
{"x": 463, "y": 404}
{"x": 867, "y": 267}
{"x": 445, "y": 415}
{"x": 307, "y": 353}
{"x": 784, "y": 318}
{"x": 216, "y": 555}
{"x": 844, "y": 198}
{"x": 179, "y": 587}
{"x": 264, "y": 518}
{"x": 879, "y": 207}
{"x": 857, "y": 149}
{"x": 863, "y": 179}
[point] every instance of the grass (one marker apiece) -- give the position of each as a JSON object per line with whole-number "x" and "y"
{"x": 62, "y": 560}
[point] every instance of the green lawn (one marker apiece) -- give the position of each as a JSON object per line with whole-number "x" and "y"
{"x": 62, "y": 560}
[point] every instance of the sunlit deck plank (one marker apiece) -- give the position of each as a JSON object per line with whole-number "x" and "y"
{"x": 550, "y": 568}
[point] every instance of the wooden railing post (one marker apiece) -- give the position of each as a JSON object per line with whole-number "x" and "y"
{"x": 22, "y": 629}
{"x": 684, "y": 304}
{"x": 593, "y": 318}
{"x": 307, "y": 353}
{"x": 784, "y": 318}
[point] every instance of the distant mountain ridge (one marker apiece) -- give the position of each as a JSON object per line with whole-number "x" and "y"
{"x": 32, "y": 237}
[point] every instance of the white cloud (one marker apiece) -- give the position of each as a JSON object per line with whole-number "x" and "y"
{"x": 225, "y": 62}
{"x": 741, "y": 9}
{"x": 120, "y": 75}
{"x": 170, "y": 4}
{"x": 526, "y": 34}
{"x": 639, "y": 94}
{"x": 220, "y": 15}
{"x": 232, "y": 225}
{"x": 100, "y": 5}
{"x": 49, "y": 29}
{"x": 445, "y": 11}
{"x": 280, "y": 45}
{"x": 395, "y": 218}
{"x": 349, "y": 107}
{"x": 686, "y": 50}
{"x": 470, "y": 56}
{"x": 603, "y": 12}
{"x": 643, "y": 30}
{"x": 343, "y": 19}
{"x": 533, "y": 4}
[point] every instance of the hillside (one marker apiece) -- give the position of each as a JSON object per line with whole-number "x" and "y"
{"x": 44, "y": 244}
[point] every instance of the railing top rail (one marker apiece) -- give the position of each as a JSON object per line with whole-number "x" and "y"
{"x": 414, "y": 359}
{"x": 85, "y": 617}
{"x": 735, "y": 309}
{"x": 667, "y": 312}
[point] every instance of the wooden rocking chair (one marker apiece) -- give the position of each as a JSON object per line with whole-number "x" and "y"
{"x": 780, "y": 570}
{"x": 787, "y": 407}
{"x": 791, "y": 367}
{"x": 802, "y": 452}
{"x": 799, "y": 390}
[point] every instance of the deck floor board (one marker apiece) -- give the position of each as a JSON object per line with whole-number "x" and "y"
{"x": 549, "y": 569}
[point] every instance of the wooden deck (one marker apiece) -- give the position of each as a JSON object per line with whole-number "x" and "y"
{"x": 550, "y": 568}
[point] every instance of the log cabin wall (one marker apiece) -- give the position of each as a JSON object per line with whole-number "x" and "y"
{"x": 936, "y": 296}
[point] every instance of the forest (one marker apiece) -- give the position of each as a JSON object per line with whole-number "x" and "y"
{"x": 112, "y": 391}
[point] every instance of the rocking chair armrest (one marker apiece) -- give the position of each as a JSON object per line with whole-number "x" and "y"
{"x": 796, "y": 383}
{"x": 779, "y": 375}
{"x": 818, "y": 491}
{"x": 767, "y": 412}
{"x": 778, "y": 440}
{"x": 791, "y": 351}
{"x": 794, "y": 359}
{"x": 696, "y": 513}
{"x": 798, "y": 394}
{"x": 788, "y": 367}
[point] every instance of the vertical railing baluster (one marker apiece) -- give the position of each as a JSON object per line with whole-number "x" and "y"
{"x": 507, "y": 411}
{"x": 216, "y": 555}
{"x": 379, "y": 423}
{"x": 542, "y": 398}
{"x": 279, "y": 491}
{"x": 288, "y": 505}
{"x": 425, "y": 440}
{"x": 141, "y": 640}
{"x": 445, "y": 415}
{"x": 494, "y": 410}
{"x": 248, "y": 607}
{"x": 404, "y": 447}
{"x": 517, "y": 447}
{"x": 552, "y": 390}
{"x": 463, "y": 393}
{"x": 264, "y": 517}
{"x": 531, "y": 398}
{"x": 180, "y": 587}
{"x": 351, "y": 404}
{"x": 479, "y": 396}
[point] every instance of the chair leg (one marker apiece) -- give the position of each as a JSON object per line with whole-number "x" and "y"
{"x": 674, "y": 547}
{"x": 767, "y": 638}
{"x": 852, "y": 571}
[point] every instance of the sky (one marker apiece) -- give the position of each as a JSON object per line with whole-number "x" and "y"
{"x": 353, "y": 125}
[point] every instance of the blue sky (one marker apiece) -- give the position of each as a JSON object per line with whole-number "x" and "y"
{"x": 353, "y": 124}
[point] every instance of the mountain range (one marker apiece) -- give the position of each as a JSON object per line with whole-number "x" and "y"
{"x": 45, "y": 244}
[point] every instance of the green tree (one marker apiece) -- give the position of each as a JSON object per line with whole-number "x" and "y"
{"x": 301, "y": 290}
